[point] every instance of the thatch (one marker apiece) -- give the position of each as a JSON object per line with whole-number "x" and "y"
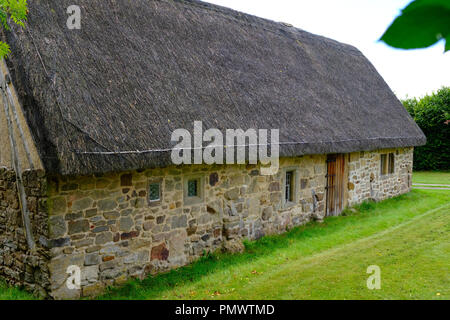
{"x": 139, "y": 69}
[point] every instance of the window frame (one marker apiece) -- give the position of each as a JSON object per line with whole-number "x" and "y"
{"x": 200, "y": 189}
{"x": 150, "y": 193}
{"x": 149, "y": 183}
{"x": 295, "y": 184}
{"x": 195, "y": 183}
{"x": 289, "y": 186}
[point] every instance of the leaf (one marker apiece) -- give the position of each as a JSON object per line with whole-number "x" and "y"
{"x": 17, "y": 10}
{"x": 4, "y": 19}
{"x": 421, "y": 24}
{"x": 427, "y": 3}
{"x": 5, "y": 50}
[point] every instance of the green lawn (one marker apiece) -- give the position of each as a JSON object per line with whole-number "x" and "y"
{"x": 408, "y": 237}
{"x": 431, "y": 177}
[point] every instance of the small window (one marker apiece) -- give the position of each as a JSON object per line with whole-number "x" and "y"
{"x": 384, "y": 165}
{"x": 192, "y": 188}
{"x": 391, "y": 167}
{"x": 155, "y": 192}
{"x": 289, "y": 186}
{"x": 387, "y": 164}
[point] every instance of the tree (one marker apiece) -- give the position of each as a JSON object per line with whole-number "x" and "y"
{"x": 432, "y": 114}
{"x": 421, "y": 24}
{"x": 15, "y": 10}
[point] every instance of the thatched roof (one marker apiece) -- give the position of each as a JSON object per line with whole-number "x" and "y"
{"x": 139, "y": 69}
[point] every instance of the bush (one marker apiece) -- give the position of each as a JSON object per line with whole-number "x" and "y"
{"x": 432, "y": 114}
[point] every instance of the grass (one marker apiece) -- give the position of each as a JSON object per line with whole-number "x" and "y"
{"x": 431, "y": 177}
{"x": 13, "y": 293}
{"x": 408, "y": 237}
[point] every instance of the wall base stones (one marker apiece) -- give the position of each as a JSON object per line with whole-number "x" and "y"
{"x": 106, "y": 225}
{"x": 18, "y": 265}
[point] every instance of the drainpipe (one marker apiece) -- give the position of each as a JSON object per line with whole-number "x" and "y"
{"x": 16, "y": 164}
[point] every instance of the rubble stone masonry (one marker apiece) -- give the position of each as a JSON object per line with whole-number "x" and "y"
{"x": 107, "y": 225}
{"x": 18, "y": 265}
{"x": 366, "y": 181}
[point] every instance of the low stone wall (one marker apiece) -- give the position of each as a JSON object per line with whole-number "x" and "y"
{"x": 18, "y": 265}
{"x": 106, "y": 225}
{"x": 366, "y": 181}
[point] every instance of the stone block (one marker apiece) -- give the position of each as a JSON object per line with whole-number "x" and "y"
{"x": 92, "y": 259}
{"x": 106, "y": 205}
{"x": 103, "y": 238}
{"x": 232, "y": 194}
{"x": 57, "y": 227}
{"x": 160, "y": 252}
{"x": 179, "y": 222}
{"x": 78, "y": 226}
{"x": 82, "y": 204}
{"x": 267, "y": 213}
{"x": 57, "y": 205}
{"x": 125, "y": 223}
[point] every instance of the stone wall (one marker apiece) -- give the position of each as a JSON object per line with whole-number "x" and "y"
{"x": 18, "y": 265}
{"x": 106, "y": 225}
{"x": 366, "y": 181}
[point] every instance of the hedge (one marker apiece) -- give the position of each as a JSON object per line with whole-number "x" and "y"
{"x": 432, "y": 114}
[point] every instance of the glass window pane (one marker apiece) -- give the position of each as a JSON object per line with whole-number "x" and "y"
{"x": 155, "y": 192}
{"x": 289, "y": 186}
{"x": 383, "y": 164}
{"x": 391, "y": 163}
{"x": 192, "y": 188}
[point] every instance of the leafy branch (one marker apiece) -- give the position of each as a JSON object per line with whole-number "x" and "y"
{"x": 421, "y": 24}
{"x": 15, "y": 11}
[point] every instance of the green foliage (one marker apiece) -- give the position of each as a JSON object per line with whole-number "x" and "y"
{"x": 15, "y": 10}
{"x": 432, "y": 113}
{"x": 421, "y": 24}
{"x": 5, "y": 50}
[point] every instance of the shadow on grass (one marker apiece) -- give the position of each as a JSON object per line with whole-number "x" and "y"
{"x": 153, "y": 286}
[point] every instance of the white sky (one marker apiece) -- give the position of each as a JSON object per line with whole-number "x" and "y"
{"x": 361, "y": 23}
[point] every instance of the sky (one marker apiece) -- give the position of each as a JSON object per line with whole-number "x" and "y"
{"x": 409, "y": 73}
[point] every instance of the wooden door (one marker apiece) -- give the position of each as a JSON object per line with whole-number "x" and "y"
{"x": 336, "y": 183}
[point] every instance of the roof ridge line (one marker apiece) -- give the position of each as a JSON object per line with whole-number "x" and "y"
{"x": 263, "y": 23}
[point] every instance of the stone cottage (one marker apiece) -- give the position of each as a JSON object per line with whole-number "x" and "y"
{"x": 86, "y": 118}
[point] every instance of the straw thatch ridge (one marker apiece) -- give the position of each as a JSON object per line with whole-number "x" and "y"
{"x": 139, "y": 69}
